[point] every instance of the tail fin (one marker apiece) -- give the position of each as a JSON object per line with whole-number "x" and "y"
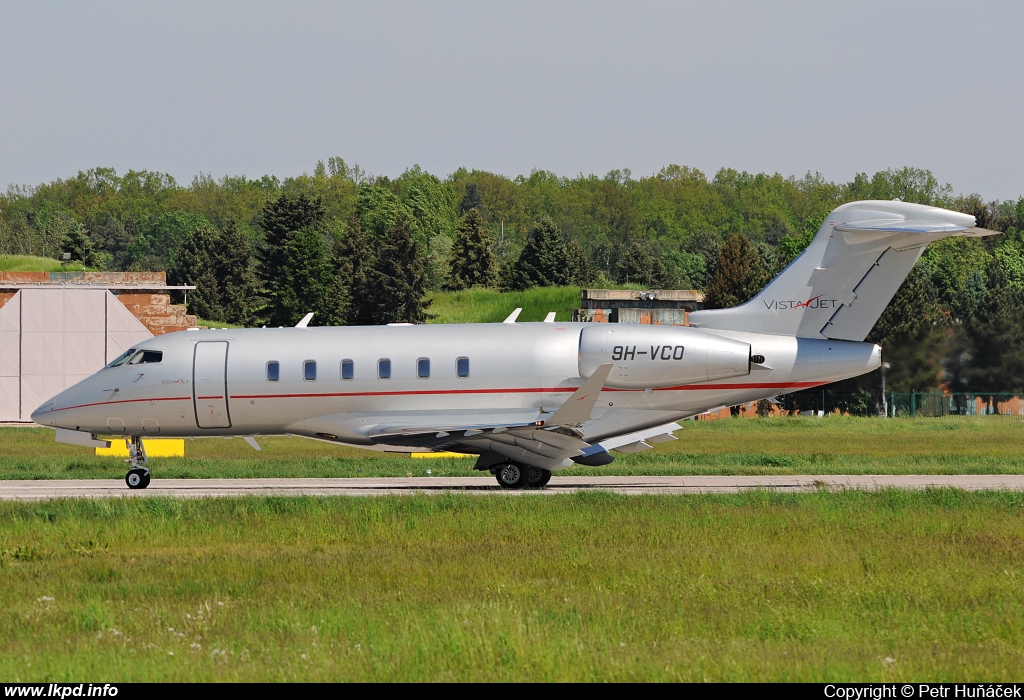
{"x": 839, "y": 286}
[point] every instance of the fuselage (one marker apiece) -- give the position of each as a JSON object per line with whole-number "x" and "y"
{"x": 348, "y": 384}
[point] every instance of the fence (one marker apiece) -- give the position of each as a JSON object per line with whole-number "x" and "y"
{"x": 823, "y": 402}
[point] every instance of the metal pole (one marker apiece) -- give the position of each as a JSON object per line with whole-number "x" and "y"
{"x": 885, "y": 405}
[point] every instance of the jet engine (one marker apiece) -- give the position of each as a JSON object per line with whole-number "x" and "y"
{"x": 659, "y": 356}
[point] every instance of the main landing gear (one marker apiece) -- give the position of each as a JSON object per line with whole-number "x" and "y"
{"x": 517, "y": 476}
{"x": 138, "y": 474}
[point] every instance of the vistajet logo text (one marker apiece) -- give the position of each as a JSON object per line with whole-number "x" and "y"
{"x": 812, "y": 303}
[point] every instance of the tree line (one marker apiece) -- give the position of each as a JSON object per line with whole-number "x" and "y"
{"x": 360, "y": 249}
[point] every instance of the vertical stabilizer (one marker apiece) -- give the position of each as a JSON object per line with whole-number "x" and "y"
{"x": 839, "y": 286}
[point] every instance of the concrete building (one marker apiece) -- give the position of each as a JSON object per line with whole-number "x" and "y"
{"x": 660, "y": 307}
{"x": 58, "y": 328}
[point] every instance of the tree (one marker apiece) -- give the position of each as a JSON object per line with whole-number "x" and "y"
{"x": 194, "y": 265}
{"x": 639, "y": 264}
{"x": 396, "y": 282}
{"x": 377, "y": 209}
{"x": 157, "y": 245}
{"x": 77, "y": 242}
{"x": 235, "y": 267}
{"x": 472, "y": 262}
{"x": 577, "y": 267}
{"x": 281, "y": 220}
{"x": 542, "y": 262}
{"x": 306, "y": 281}
{"x": 988, "y": 352}
{"x": 471, "y": 200}
{"x": 738, "y": 276}
{"x": 221, "y": 266}
{"x": 353, "y": 258}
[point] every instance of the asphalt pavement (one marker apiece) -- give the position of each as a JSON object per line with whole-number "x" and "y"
{"x": 203, "y": 488}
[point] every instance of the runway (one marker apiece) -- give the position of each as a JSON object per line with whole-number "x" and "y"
{"x": 635, "y": 485}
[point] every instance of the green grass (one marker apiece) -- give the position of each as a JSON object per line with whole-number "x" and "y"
{"x": 491, "y": 306}
{"x": 831, "y": 445}
{"x": 31, "y": 263}
{"x": 849, "y": 586}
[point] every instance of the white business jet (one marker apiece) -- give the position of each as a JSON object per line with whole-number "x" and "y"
{"x": 528, "y": 398}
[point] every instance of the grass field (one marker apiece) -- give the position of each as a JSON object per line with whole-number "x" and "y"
{"x": 831, "y": 445}
{"x": 591, "y": 587}
{"x": 492, "y": 306}
{"x": 31, "y": 263}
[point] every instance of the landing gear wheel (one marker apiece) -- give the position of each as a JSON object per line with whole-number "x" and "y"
{"x": 537, "y": 477}
{"x": 137, "y": 478}
{"x": 511, "y": 476}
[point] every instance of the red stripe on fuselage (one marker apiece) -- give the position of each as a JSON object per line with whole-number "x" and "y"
{"x": 450, "y": 392}
{"x": 107, "y": 403}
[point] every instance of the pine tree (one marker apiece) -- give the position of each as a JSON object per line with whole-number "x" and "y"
{"x": 472, "y": 262}
{"x": 353, "y": 258}
{"x": 994, "y": 351}
{"x": 235, "y": 269}
{"x": 738, "y": 276}
{"x": 471, "y": 200}
{"x": 306, "y": 281}
{"x": 396, "y": 283}
{"x": 639, "y": 265}
{"x": 281, "y": 220}
{"x": 194, "y": 265}
{"x": 543, "y": 260}
{"x": 577, "y": 267}
{"x": 77, "y": 242}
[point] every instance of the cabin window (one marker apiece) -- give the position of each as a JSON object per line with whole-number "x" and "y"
{"x": 384, "y": 369}
{"x": 147, "y": 357}
{"x": 347, "y": 369}
{"x": 273, "y": 371}
{"x": 423, "y": 368}
{"x": 309, "y": 370}
{"x": 462, "y": 367}
{"x": 122, "y": 358}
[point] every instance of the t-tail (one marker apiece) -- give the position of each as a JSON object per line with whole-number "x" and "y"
{"x": 839, "y": 286}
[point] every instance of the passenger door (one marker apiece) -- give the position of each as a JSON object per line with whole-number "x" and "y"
{"x": 210, "y": 384}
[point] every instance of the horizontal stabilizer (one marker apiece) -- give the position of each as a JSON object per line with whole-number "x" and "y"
{"x": 839, "y": 286}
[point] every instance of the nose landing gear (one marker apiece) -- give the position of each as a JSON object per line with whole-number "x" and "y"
{"x": 138, "y": 475}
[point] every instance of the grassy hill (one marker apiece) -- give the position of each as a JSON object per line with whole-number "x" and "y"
{"x": 31, "y": 263}
{"x": 490, "y": 306}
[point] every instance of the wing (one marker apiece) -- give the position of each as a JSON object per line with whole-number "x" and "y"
{"x": 548, "y": 442}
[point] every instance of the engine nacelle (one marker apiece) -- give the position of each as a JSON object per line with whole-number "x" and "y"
{"x": 658, "y": 356}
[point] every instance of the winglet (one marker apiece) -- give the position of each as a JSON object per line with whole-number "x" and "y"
{"x": 577, "y": 408}
{"x": 550, "y": 318}
{"x": 513, "y": 316}
{"x": 305, "y": 320}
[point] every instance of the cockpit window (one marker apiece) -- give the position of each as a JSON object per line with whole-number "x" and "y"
{"x": 122, "y": 358}
{"x": 147, "y": 357}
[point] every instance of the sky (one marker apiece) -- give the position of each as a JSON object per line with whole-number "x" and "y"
{"x": 573, "y": 87}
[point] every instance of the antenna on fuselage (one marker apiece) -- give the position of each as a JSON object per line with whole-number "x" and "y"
{"x": 550, "y": 318}
{"x": 513, "y": 316}
{"x": 304, "y": 323}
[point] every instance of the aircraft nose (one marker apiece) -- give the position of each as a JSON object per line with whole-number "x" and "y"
{"x": 44, "y": 414}
{"x": 47, "y": 413}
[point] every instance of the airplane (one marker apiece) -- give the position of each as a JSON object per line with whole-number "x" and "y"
{"x": 528, "y": 399}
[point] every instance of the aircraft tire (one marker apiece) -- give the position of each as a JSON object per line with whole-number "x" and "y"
{"x": 537, "y": 477}
{"x": 137, "y": 478}
{"x": 511, "y": 475}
